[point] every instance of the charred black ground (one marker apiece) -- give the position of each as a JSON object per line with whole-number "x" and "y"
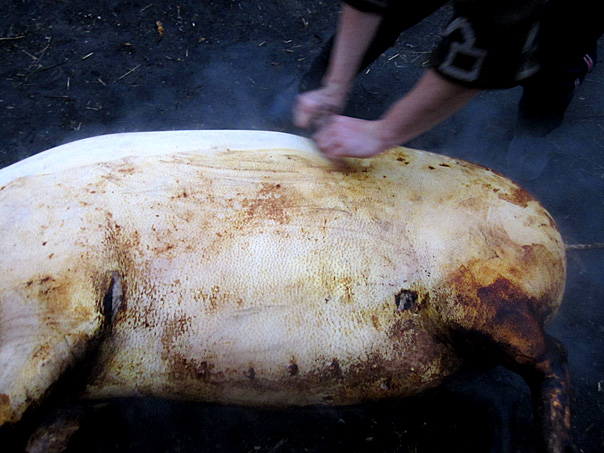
{"x": 71, "y": 70}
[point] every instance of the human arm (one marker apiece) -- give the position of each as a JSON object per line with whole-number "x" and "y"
{"x": 432, "y": 100}
{"x": 355, "y": 31}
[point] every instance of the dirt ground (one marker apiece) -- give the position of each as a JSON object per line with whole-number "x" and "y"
{"x": 70, "y": 70}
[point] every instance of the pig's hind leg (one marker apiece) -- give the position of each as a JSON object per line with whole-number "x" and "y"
{"x": 514, "y": 337}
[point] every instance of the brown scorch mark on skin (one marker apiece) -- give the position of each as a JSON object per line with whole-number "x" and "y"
{"x": 271, "y": 203}
{"x": 184, "y": 368}
{"x": 5, "y": 407}
{"x": 518, "y": 196}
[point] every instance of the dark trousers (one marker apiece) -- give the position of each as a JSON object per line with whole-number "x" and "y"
{"x": 546, "y": 95}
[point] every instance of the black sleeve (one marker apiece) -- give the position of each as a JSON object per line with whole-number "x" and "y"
{"x": 490, "y": 44}
{"x": 368, "y": 6}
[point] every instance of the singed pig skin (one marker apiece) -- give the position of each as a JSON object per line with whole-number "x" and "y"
{"x": 243, "y": 267}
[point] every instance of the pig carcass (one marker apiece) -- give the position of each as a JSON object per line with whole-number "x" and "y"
{"x": 242, "y": 267}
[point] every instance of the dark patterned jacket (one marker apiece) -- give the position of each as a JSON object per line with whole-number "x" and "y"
{"x": 501, "y": 43}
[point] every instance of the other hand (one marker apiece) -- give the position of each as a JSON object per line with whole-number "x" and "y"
{"x": 313, "y": 107}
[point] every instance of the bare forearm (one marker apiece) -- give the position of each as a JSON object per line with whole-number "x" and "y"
{"x": 432, "y": 100}
{"x": 356, "y": 30}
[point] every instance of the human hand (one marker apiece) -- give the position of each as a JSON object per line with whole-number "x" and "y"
{"x": 314, "y": 107}
{"x": 342, "y": 136}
